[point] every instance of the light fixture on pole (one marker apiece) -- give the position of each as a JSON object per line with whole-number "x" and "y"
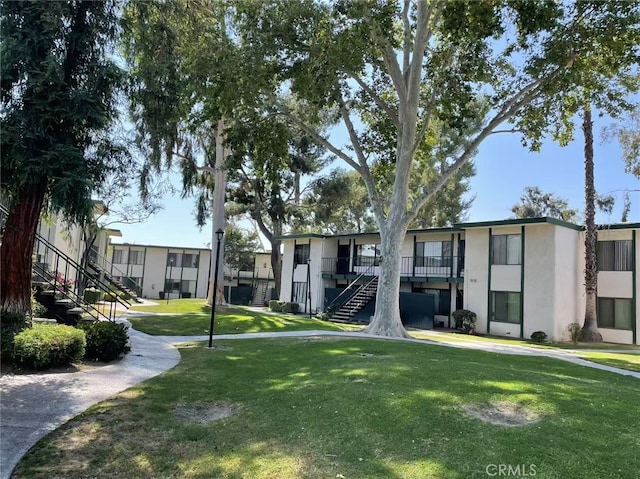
{"x": 219, "y": 235}
{"x": 170, "y": 274}
{"x": 308, "y": 286}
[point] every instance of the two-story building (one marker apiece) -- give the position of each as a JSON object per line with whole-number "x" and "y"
{"x": 163, "y": 272}
{"x": 519, "y": 276}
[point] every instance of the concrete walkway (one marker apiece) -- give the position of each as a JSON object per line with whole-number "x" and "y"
{"x": 33, "y": 405}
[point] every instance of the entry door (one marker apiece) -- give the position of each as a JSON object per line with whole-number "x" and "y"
{"x": 459, "y": 299}
{"x": 342, "y": 266}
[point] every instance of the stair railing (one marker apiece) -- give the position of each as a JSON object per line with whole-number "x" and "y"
{"x": 108, "y": 267}
{"x": 350, "y": 291}
{"x": 70, "y": 265}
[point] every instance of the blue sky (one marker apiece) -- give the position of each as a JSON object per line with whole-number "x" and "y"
{"x": 503, "y": 167}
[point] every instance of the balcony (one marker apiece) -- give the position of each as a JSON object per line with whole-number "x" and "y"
{"x": 421, "y": 268}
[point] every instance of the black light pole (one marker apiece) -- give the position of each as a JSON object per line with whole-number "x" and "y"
{"x": 219, "y": 235}
{"x": 170, "y": 273}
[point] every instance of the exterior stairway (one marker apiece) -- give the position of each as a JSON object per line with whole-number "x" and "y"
{"x": 357, "y": 301}
{"x": 260, "y": 293}
{"x": 103, "y": 273}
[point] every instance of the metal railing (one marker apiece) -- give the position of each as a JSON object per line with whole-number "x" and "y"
{"x": 363, "y": 280}
{"x": 410, "y": 266}
{"x": 69, "y": 279}
{"x": 112, "y": 270}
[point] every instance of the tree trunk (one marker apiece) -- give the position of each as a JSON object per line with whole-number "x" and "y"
{"x": 16, "y": 253}
{"x": 218, "y": 220}
{"x": 589, "y": 331}
{"x": 276, "y": 263}
{"x": 386, "y": 320}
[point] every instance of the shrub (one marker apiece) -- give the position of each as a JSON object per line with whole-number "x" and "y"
{"x": 38, "y": 310}
{"x": 465, "y": 320}
{"x": 91, "y": 295}
{"x": 539, "y": 337}
{"x": 291, "y": 308}
{"x": 10, "y": 325}
{"x": 276, "y": 306}
{"x": 45, "y": 345}
{"x": 106, "y": 341}
{"x": 109, "y": 297}
{"x": 575, "y": 332}
{"x": 124, "y": 295}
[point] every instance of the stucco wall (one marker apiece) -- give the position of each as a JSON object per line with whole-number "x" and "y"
{"x": 287, "y": 270}
{"x": 476, "y": 275}
{"x": 539, "y": 296}
{"x": 568, "y": 287}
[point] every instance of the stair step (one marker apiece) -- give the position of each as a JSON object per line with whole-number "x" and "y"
{"x": 62, "y": 302}
{"x": 76, "y": 310}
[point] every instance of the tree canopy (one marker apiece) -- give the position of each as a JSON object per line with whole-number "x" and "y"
{"x": 59, "y": 82}
{"x": 399, "y": 76}
{"x": 534, "y": 203}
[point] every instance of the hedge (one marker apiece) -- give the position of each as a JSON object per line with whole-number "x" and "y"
{"x": 45, "y": 345}
{"x": 106, "y": 341}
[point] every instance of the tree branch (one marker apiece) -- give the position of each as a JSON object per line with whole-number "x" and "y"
{"x": 389, "y": 58}
{"x": 314, "y": 134}
{"x": 406, "y": 48}
{"x": 380, "y": 103}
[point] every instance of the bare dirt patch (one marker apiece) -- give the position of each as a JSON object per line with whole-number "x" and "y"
{"x": 502, "y": 413}
{"x": 205, "y": 412}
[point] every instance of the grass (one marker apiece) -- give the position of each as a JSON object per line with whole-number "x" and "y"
{"x": 177, "y": 306}
{"x": 231, "y": 321}
{"x": 461, "y": 338}
{"x": 333, "y": 408}
{"x": 630, "y": 361}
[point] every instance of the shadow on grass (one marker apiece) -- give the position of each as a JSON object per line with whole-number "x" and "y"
{"x": 357, "y": 408}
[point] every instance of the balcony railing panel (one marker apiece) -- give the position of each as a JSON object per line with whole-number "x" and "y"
{"x": 414, "y": 267}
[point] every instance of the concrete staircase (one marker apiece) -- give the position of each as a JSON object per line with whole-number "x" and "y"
{"x": 359, "y": 300}
{"x": 260, "y": 293}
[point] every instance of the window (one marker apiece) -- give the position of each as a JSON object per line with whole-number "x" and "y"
{"x": 136, "y": 257}
{"x": 506, "y": 249}
{"x": 172, "y": 286}
{"x": 173, "y": 259}
{"x": 615, "y": 255}
{"x": 190, "y": 260}
{"x": 301, "y": 254}
{"x": 505, "y": 307}
{"x": 188, "y": 286}
{"x": 433, "y": 253}
{"x": 367, "y": 255}
{"x": 117, "y": 256}
{"x": 299, "y": 292}
{"x": 614, "y": 313}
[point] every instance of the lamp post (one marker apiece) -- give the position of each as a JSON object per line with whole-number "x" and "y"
{"x": 170, "y": 273}
{"x": 219, "y": 234}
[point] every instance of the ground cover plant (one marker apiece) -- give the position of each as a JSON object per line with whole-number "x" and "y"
{"x": 352, "y": 408}
{"x": 230, "y": 321}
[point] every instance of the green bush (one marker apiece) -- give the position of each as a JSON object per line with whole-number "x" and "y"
{"x": 539, "y": 337}
{"x": 465, "y": 320}
{"x": 124, "y": 295}
{"x": 291, "y": 308}
{"x": 109, "y": 297}
{"x": 575, "y": 332}
{"x": 38, "y": 310}
{"x": 10, "y": 325}
{"x": 45, "y": 345}
{"x": 276, "y": 306}
{"x": 106, "y": 341}
{"x": 91, "y": 295}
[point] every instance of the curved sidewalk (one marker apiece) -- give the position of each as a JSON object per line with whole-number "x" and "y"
{"x": 33, "y": 405}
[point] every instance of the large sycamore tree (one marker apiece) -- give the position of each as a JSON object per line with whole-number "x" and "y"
{"x": 58, "y": 85}
{"x": 391, "y": 69}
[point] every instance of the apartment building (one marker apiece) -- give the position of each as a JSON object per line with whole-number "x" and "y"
{"x": 518, "y": 276}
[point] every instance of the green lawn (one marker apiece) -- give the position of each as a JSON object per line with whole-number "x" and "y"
{"x": 351, "y": 408}
{"x": 458, "y": 338}
{"x": 630, "y": 361}
{"x": 229, "y": 321}
{"x": 178, "y": 306}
